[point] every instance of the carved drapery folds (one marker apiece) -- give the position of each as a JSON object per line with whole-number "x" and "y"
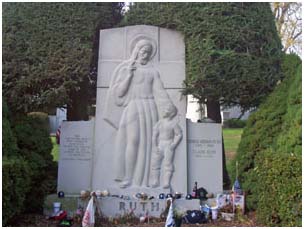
{"x": 147, "y": 130}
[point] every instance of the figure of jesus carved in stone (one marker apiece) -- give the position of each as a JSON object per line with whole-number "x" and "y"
{"x": 136, "y": 87}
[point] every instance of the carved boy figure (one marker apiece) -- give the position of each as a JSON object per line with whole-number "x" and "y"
{"x": 166, "y": 136}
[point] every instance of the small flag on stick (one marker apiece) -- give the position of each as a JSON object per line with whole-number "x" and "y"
{"x": 89, "y": 215}
{"x": 170, "y": 219}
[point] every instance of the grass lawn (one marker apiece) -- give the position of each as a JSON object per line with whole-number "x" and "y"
{"x": 232, "y": 138}
{"x": 55, "y": 150}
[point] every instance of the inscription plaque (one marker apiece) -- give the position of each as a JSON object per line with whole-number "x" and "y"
{"x": 77, "y": 147}
{"x": 205, "y": 156}
{"x": 75, "y": 161}
{"x": 204, "y": 148}
{"x": 115, "y": 207}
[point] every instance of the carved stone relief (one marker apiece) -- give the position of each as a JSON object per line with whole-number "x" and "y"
{"x": 136, "y": 86}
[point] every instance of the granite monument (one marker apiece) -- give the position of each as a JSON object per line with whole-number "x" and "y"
{"x": 140, "y": 127}
{"x": 140, "y": 140}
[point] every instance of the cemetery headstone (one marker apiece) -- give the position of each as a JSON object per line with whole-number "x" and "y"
{"x": 76, "y": 157}
{"x": 140, "y": 141}
{"x": 140, "y": 133}
{"x": 205, "y": 156}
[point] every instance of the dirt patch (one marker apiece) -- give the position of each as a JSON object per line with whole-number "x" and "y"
{"x": 230, "y": 155}
{"x": 36, "y": 220}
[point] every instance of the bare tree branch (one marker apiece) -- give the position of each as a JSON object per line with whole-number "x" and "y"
{"x": 288, "y": 16}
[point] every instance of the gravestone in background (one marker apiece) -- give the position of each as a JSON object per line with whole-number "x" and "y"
{"x": 141, "y": 71}
{"x": 76, "y": 154}
{"x": 205, "y": 156}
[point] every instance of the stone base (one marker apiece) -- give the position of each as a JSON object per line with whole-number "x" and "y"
{"x": 116, "y": 207}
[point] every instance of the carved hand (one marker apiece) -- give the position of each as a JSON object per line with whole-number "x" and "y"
{"x": 131, "y": 68}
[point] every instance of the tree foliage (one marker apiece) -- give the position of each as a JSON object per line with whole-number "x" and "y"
{"x": 16, "y": 179}
{"x": 232, "y": 49}
{"x": 29, "y": 173}
{"x": 270, "y": 151}
{"x": 48, "y": 51}
{"x": 35, "y": 148}
{"x": 9, "y": 142}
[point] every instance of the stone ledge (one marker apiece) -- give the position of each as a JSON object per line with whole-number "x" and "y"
{"x": 116, "y": 207}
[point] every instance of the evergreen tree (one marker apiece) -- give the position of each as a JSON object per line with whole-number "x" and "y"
{"x": 233, "y": 51}
{"x": 50, "y": 53}
{"x": 270, "y": 152}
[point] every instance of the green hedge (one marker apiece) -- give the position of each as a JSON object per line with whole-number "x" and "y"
{"x": 16, "y": 179}
{"x": 279, "y": 188}
{"x": 33, "y": 136}
{"x": 269, "y": 153}
{"x": 42, "y": 119}
{"x": 29, "y": 173}
{"x": 9, "y": 145}
{"x": 290, "y": 140}
{"x": 260, "y": 133}
{"x": 35, "y": 146}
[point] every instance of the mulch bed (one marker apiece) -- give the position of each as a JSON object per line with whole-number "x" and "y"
{"x": 36, "y": 220}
